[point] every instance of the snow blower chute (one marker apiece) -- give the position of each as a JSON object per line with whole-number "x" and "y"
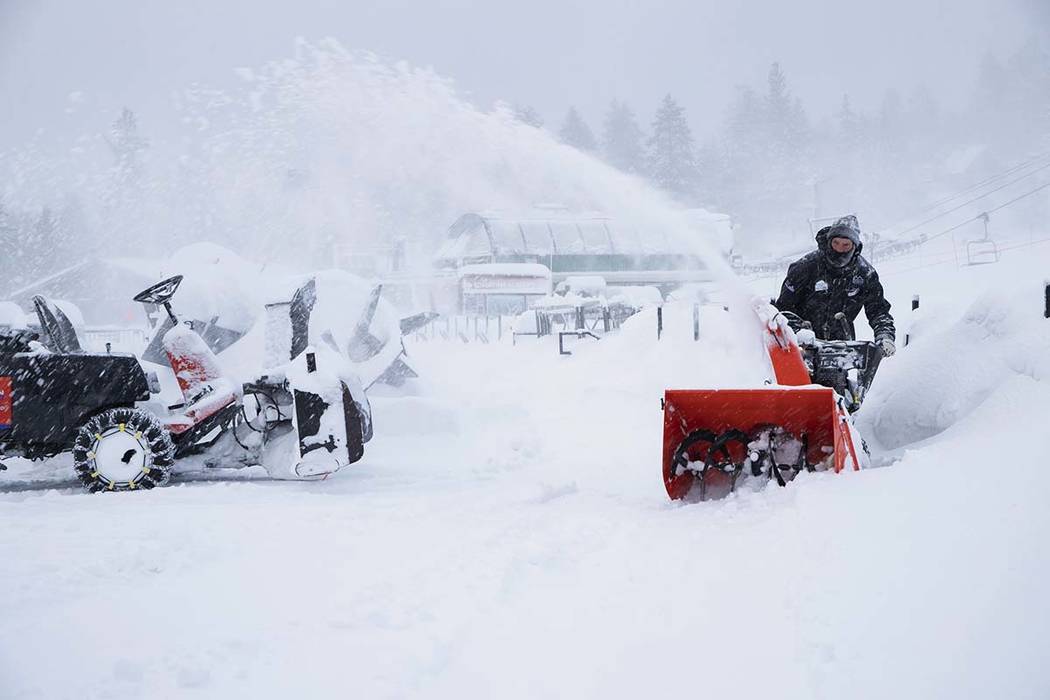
{"x": 713, "y": 438}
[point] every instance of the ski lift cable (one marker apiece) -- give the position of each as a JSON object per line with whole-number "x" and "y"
{"x": 951, "y": 228}
{"x": 971, "y": 201}
{"x": 948, "y": 259}
{"x": 989, "y": 211}
{"x": 987, "y": 181}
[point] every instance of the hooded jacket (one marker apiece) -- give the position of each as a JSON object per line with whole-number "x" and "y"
{"x": 816, "y": 290}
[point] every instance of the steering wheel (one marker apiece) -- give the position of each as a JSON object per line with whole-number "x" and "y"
{"x": 161, "y": 292}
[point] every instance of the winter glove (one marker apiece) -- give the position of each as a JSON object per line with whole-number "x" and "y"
{"x": 887, "y": 346}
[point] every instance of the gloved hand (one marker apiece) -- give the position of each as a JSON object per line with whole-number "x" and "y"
{"x": 887, "y": 346}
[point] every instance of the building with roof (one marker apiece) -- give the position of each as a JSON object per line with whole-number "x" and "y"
{"x": 580, "y": 245}
{"x": 569, "y": 244}
{"x": 102, "y": 288}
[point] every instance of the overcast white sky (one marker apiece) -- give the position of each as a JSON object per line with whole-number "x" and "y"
{"x": 547, "y": 53}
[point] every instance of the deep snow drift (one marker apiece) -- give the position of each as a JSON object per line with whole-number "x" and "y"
{"x": 507, "y": 534}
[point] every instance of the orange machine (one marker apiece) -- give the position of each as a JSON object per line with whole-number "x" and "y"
{"x": 714, "y": 437}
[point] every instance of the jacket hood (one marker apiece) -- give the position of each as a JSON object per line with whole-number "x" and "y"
{"x": 845, "y": 227}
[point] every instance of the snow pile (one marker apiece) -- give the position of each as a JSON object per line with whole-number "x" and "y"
{"x": 507, "y": 534}
{"x": 636, "y": 297}
{"x": 231, "y": 291}
{"x": 999, "y": 346}
{"x": 11, "y": 316}
{"x": 219, "y": 284}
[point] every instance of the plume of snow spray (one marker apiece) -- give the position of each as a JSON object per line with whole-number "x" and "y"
{"x": 332, "y": 149}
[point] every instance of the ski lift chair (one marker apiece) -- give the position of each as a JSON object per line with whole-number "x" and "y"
{"x": 983, "y": 250}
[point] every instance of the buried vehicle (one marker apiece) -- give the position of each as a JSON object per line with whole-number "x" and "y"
{"x": 714, "y": 439}
{"x": 304, "y": 417}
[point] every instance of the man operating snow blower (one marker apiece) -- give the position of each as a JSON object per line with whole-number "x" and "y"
{"x": 715, "y": 439}
{"x": 828, "y": 287}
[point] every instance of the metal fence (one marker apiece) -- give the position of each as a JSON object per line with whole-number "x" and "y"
{"x": 480, "y": 328}
{"x": 131, "y": 340}
{"x": 466, "y": 329}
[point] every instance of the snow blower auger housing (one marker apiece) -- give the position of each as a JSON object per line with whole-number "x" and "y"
{"x": 713, "y": 438}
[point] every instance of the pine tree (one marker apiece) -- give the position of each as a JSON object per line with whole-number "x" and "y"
{"x": 783, "y": 117}
{"x": 849, "y": 125}
{"x": 1029, "y": 96}
{"x": 924, "y": 112}
{"x": 622, "y": 139}
{"x": 575, "y": 132}
{"x": 744, "y": 131}
{"x": 778, "y": 100}
{"x": 48, "y": 242}
{"x": 766, "y": 173}
{"x": 124, "y": 201}
{"x": 21, "y": 260}
{"x": 672, "y": 161}
{"x": 527, "y": 115}
{"x": 126, "y": 142}
{"x": 890, "y": 115}
{"x": 8, "y": 261}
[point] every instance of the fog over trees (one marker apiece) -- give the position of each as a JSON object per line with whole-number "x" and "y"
{"x": 765, "y": 156}
{"x": 772, "y": 167}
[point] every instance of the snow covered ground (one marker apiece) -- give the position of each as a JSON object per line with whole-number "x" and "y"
{"x": 507, "y": 534}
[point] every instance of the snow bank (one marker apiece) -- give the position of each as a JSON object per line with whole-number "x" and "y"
{"x": 508, "y": 535}
{"x": 221, "y": 284}
{"x": 944, "y": 376}
{"x": 11, "y": 315}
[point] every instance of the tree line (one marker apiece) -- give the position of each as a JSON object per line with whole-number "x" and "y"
{"x": 772, "y": 167}
{"x": 58, "y": 235}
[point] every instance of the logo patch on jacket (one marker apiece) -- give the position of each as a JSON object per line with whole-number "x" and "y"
{"x": 820, "y": 286}
{"x": 858, "y": 280}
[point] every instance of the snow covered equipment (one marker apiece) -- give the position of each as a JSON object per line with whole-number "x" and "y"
{"x": 210, "y": 400}
{"x": 716, "y": 438}
{"x": 55, "y": 398}
{"x": 304, "y": 417}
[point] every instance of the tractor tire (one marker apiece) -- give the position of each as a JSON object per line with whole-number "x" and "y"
{"x": 123, "y": 449}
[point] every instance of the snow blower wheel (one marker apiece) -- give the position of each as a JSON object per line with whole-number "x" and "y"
{"x": 123, "y": 449}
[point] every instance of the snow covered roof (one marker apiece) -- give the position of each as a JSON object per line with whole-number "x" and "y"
{"x": 550, "y": 233}
{"x": 506, "y": 270}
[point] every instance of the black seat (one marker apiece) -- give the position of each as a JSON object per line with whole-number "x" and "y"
{"x": 59, "y": 329}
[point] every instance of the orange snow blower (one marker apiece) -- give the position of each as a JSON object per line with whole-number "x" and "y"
{"x": 713, "y": 438}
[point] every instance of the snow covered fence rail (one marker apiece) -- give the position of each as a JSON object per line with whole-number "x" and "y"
{"x": 99, "y": 339}
{"x": 874, "y": 250}
{"x": 594, "y": 317}
{"x": 466, "y": 328}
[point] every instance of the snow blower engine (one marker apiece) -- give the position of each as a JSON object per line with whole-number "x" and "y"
{"x": 715, "y": 438}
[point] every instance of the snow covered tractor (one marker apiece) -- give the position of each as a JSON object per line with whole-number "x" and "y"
{"x": 714, "y": 439}
{"x": 305, "y": 417}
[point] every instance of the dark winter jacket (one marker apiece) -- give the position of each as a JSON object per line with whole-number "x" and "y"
{"x": 816, "y": 290}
